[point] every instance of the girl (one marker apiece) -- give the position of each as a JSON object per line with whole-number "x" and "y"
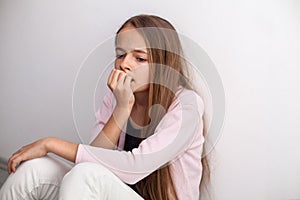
{"x": 148, "y": 138}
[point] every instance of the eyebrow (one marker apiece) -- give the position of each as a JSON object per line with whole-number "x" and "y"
{"x": 134, "y": 50}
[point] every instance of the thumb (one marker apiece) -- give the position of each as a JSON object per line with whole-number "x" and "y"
{"x": 128, "y": 82}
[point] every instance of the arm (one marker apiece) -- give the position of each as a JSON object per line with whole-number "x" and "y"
{"x": 40, "y": 148}
{"x": 62, "y": 148}
{"x": 172, "y": 137}
{"x": 119, "y": 83}
{"x": 108, "y": 137}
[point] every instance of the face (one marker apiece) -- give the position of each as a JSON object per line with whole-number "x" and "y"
{"x": 132, "y": 58}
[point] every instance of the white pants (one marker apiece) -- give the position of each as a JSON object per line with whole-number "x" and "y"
{"x": 52, "y": 178}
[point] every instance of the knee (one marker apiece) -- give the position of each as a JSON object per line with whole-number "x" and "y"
{"x": 87, "y": 173}
{"x": 40, "y": 176}
{"x": 89, "y": 179}
{"x": 20, "y": 184}
{"x": 27, "y": 169}
{"x": 88, "y": 169}
{"x": 44, "y": 168}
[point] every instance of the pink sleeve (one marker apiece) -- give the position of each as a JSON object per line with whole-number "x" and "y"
{"x": 172, "y": 137}
{"x": 103, "y": 114}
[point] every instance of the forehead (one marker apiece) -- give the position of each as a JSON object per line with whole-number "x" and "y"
{"x": 129, "y": 38}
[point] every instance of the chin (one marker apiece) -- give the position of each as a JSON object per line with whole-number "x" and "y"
{"x": 141, "y": 89}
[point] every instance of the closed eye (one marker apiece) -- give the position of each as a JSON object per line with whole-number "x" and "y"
{"x": 119, "y": 56}
{"x": 140, "y": 59}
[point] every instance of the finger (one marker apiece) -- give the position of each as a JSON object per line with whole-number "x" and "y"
{"x": 18, "y": 151}
{"x": 9, "y": 164}
{"x": 110, "y": 76}
{"x": 16, "y": 161}
{"x": 127, "y": 81}
{"x": 120, "y": 75}
{"x": 119, "y": 71}
{"x": 121, "y": 80}
{"x": 109, "y": 82}
{"x": 114, "y": 80}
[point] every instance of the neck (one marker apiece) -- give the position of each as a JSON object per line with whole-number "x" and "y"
{"x": 141, "y": 99}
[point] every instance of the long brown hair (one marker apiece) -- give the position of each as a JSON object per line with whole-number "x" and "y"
{"x": 167, "y": 66}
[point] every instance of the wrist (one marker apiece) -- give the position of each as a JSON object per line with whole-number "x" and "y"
{"x": 123, "y": 111}
{"x": 48, "y": 141}
{"x": 121, "y": 115}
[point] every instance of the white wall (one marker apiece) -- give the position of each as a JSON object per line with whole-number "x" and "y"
{"x": 255, "y": 46}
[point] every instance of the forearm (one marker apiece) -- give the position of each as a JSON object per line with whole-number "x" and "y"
{"x": 62, "y": 148}
{"x": 109, "y": 135}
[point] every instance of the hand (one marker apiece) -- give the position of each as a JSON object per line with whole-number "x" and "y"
{"x": 34, "y": 150}
{"x": 120, "y": 84}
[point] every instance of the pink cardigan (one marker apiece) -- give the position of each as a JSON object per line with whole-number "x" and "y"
{"x": 177, "y": 140}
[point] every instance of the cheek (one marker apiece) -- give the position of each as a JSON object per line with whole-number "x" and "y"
{"x": 141, "y": 74}
{"x": 117, "y": 64}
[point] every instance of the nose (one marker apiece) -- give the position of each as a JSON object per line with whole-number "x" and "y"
{"x": 125, "y": 64}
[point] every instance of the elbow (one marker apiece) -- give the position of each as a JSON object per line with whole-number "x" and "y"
{"x": 132, "y": 179}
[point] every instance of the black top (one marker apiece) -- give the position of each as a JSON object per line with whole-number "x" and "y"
{"x": 132, "y": 140}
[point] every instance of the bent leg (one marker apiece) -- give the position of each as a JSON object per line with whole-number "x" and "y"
{"x": 35, "y": 179}
{"x": 94, "y": 181}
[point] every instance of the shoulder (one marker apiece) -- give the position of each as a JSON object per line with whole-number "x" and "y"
{"x": 187, "y": 93}
{"x": 107, "y": 105}
{"x": 109, "y": 99}
{"x": 184, "y": 96}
